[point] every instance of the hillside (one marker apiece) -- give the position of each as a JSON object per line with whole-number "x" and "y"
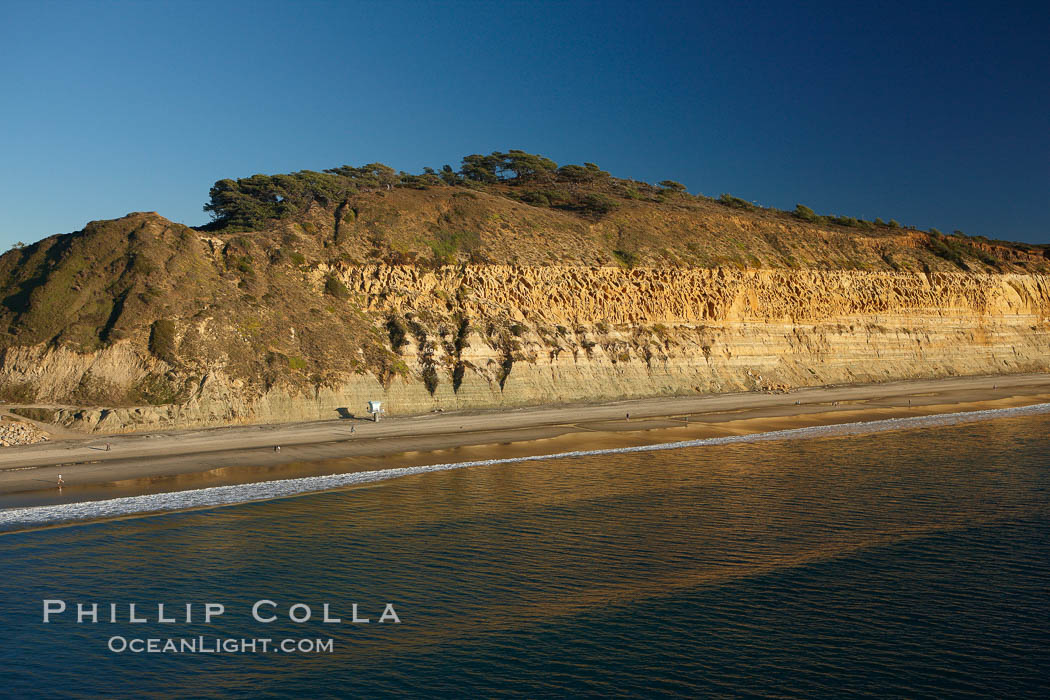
{"x": 510, "y": 281}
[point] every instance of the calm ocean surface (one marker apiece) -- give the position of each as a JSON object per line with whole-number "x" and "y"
{"x": 908, "y": 563}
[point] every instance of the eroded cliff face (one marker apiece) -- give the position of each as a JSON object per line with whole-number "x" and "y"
{"x": 647, "y": 296}
{"x": 486, "y": 336}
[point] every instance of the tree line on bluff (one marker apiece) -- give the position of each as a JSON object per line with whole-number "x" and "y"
{"x": 586, "y": 190}
{"x": 248, "y": 203}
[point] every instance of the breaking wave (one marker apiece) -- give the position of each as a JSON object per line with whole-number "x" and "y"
{"x": 21, "y": 518}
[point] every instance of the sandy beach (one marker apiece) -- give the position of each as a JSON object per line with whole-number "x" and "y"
{"x": 177, "y": 460}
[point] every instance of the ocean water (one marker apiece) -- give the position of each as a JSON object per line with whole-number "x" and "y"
{"x": 907, "y": 560}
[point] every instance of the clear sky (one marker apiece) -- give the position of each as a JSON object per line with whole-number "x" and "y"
{"x": 934, "y": 114}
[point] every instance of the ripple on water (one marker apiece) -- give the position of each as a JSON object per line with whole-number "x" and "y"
{"x": 909, "y": 563}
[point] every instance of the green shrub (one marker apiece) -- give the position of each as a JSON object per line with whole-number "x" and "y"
{"x": 243, "y": 265}
{"x": 588, "y": 172}
{"x": 162, "y": 340}
{"x": 735, "y": 202}
{"x": 536, "y": 199}
{"x": 626, "y": 257}
{"x": 598, "y": 204}
{"x": 447, "y": 245}
{"x": 142, "y": 266}
{"x": 844, "y": 221}
{"x": 948, "y": 249}
{"x": 462, "y": 335}
{"x": 672, "y": 186}
{"x": 805, "y": 213}
{"x": 457, "y": 376}
{"x": 335, "y": 288}
{"x": 397, "y": 332}
{"x": 430, "y": 378}
{"x": 984, "y": 256}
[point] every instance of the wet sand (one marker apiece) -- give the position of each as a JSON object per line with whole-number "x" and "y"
{"x": 170, "y": 461}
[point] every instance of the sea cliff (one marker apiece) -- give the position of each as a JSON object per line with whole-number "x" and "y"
{"x": 312, "y": 293}
{"x": 474, "y": 337}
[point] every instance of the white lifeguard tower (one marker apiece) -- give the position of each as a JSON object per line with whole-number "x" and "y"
{"x": 375, "y": 408}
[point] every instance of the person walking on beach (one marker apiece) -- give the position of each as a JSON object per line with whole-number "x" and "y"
{"x": 60, "y": 481}
{"x": 353, "y": 428}
{"x": 628, "y": 416}
{"x": 107, "y": 447}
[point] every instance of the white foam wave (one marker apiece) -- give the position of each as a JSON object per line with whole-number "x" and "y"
{"x": 20, "y": 518}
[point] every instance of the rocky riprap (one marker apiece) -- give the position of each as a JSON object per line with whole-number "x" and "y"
{"x": 17, "y": 433}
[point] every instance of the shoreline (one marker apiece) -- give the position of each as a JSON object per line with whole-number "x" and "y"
{"x": 139, "y": 464}
{"x": 28, "y": 519}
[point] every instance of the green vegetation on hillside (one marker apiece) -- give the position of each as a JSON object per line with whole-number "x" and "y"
{"x": 248, "y": 203}
{"x": 470, "y": 214}
{"x": 585, "y": 191}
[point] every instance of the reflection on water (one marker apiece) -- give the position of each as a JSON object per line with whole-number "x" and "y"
{"x": 904, "y": 563}
{"x": 253, "y": 473}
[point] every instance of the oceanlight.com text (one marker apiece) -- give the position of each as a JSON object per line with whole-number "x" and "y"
{"x": 219, "y": 645}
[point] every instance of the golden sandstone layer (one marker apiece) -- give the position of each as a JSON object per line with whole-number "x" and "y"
{"x": 489, "y": 336}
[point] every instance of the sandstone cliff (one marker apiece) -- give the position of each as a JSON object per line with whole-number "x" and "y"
{"x": 453, "y": 298}
{"x": 490, "y": 336}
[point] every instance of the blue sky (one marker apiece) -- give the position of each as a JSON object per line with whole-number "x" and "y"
{"x": 935, "y": 114}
